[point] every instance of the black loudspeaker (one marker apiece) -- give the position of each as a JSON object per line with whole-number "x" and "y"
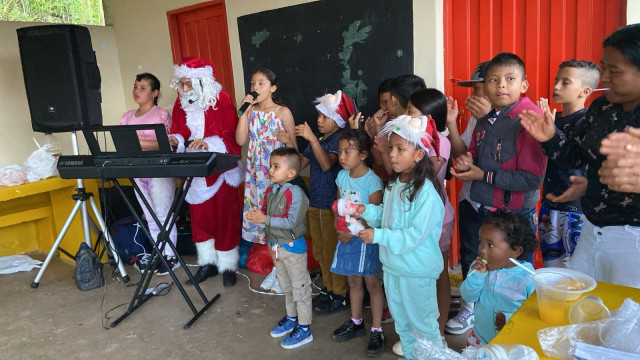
{"x": 61, "y": 77}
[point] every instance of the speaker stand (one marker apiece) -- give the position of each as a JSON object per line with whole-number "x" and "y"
{"x": 81, "y": 197}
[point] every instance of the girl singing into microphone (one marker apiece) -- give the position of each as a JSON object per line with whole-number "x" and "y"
{"x": 267, "y": 125}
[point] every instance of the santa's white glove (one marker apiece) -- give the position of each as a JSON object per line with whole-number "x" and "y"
{"x": 354, "y": 225}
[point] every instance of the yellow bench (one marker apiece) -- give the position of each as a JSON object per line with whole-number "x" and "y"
{"x": 32, "y": 215}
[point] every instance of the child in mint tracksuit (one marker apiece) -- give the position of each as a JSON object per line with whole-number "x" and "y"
{"x": 496, "y": 285}
{"x": 407, "y": 228}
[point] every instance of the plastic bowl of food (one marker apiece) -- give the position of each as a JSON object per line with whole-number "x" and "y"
{"x": 580, "y": 282}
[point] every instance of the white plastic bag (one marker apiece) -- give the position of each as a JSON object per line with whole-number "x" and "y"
{"x": 270, "y": 283}
{"x": 11, "y": 175}
{"x": 622, "y": 330}
{"x": 41, "y": 164}
{"x": 426, "y": 350}
{"x": 14, "y": 263}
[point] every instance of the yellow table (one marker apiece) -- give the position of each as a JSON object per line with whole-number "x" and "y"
{"x": 523, "y": 326}
{"x": 32, "y": 215}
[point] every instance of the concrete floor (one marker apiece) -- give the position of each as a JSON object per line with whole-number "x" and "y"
{"x": 58, "y": 321}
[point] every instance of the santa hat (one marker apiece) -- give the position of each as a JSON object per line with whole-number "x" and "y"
{"x": 192, "y": 67}
{"x": 420, "y": 130}
{"x": 338, "y": 107}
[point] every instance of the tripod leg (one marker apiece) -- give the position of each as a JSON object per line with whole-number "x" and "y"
{"x": 85, "y": 223}
{"x": 67, "y": 223}
{"x": 107, "y": 237}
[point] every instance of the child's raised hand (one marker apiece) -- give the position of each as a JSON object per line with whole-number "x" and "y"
{"x": 550, "y": 115}
{"x": 452, "y": 112}
{"x": 380, "y": 144}
{"x": 463, "y": 162}
{"x": 366, "y": 235}
{"x": 304, "y": 130}
{"x": 480, "y": 265}
{"x": 479, "y": 106}
{"x": 501, "y": 320}
{"x": 473, "y": 173}
{"x": 249, "y": 99}
{"x": 370, "y": 127}
{"x": 283, "y": 137}
{"x": 380, "y": 118}
{"x": 542, "y": 128}
{"x": 354, "y": 120}
{"x": 255, "y": 216}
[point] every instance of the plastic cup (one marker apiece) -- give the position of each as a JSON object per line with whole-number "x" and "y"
{"x": 589, "y": 308}
{"x": 551, "y": 290}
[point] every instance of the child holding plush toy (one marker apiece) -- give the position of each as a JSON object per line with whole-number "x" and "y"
{"x": 357, "y": 184}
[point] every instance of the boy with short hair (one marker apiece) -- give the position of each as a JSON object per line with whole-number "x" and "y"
{"x": 284, "y": 217}
{"x": 505, "y": 164}
{"x": 559, "y": 220}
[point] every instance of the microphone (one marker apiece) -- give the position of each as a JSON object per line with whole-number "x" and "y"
{"x": 191, "y": 101}
{"x": 245, "y": 105}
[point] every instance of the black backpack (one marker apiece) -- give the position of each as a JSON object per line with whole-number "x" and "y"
{"x": 88, "y": 272}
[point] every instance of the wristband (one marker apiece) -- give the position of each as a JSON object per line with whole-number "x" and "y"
{"x": 489, "y": 177}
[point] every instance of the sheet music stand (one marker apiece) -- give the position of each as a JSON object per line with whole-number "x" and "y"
{"x": 120, "y": 134}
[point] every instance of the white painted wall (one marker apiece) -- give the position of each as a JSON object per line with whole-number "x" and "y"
{"x": 633, "y": 11}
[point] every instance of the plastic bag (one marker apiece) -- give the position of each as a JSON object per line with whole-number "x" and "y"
{"x": 270, "y": 283}
{"x": 14, "y": 263}
{"x": 11, "y": 175}
{"x": 41, "y": 164}
{"x": 615, "y": 332}
{"x": 259, "y": 259}
{"x": 623, "y": 326}
{"x": 425, "y": 349}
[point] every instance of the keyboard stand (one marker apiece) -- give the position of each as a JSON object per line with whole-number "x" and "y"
{"x": 139, "y": 297}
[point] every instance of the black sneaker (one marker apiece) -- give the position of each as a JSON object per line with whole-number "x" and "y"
{"x": 324, "y": 297}
{"x": 376, "y": 344}
{"x": 349, "y": 330}
{"x": 335, "y": 304}
{"x": 173, "y": 264}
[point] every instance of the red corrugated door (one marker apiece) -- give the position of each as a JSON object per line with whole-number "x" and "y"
{"x": 542, "y": 32}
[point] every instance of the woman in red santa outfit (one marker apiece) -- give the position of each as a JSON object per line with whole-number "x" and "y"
{"x": 204, "y": 119}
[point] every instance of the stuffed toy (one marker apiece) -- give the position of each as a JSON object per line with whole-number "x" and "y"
{"x": 345, "y": 208}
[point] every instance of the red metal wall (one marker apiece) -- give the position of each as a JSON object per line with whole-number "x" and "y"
{"x": 542, "y": 32}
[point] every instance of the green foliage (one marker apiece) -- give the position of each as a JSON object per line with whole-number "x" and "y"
{"x": 354, "y": 88}
{"x": 259, "y": 37}
{"x": 81, "y": 12}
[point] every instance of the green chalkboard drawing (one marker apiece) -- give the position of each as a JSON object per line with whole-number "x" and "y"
{"x": 354, "y": 88}
{"x": 252, "y": 59}
{"x": 259, "y": 37}
{"x": 298, "y": 38}
{"x": 399, "y": 53}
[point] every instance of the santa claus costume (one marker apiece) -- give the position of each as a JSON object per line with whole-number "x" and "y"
{"x": 204, "y": 119}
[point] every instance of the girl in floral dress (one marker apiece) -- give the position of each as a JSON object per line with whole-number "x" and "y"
{"x": 267, "y": 125}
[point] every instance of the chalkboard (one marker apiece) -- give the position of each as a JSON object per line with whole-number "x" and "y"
{"x": 325, "y": 46}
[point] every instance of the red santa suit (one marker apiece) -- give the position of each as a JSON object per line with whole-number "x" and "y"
{"x": 216, "y": 214}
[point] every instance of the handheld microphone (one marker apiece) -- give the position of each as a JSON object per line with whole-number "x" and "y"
{"x": 245, "y": 105}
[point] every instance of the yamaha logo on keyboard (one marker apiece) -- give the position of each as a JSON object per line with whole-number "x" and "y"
{"x": 73, "y": 162}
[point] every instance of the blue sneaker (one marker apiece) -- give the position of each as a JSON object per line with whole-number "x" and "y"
{"x": 284, "y": 327}
{"x": 297, "y": 338}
